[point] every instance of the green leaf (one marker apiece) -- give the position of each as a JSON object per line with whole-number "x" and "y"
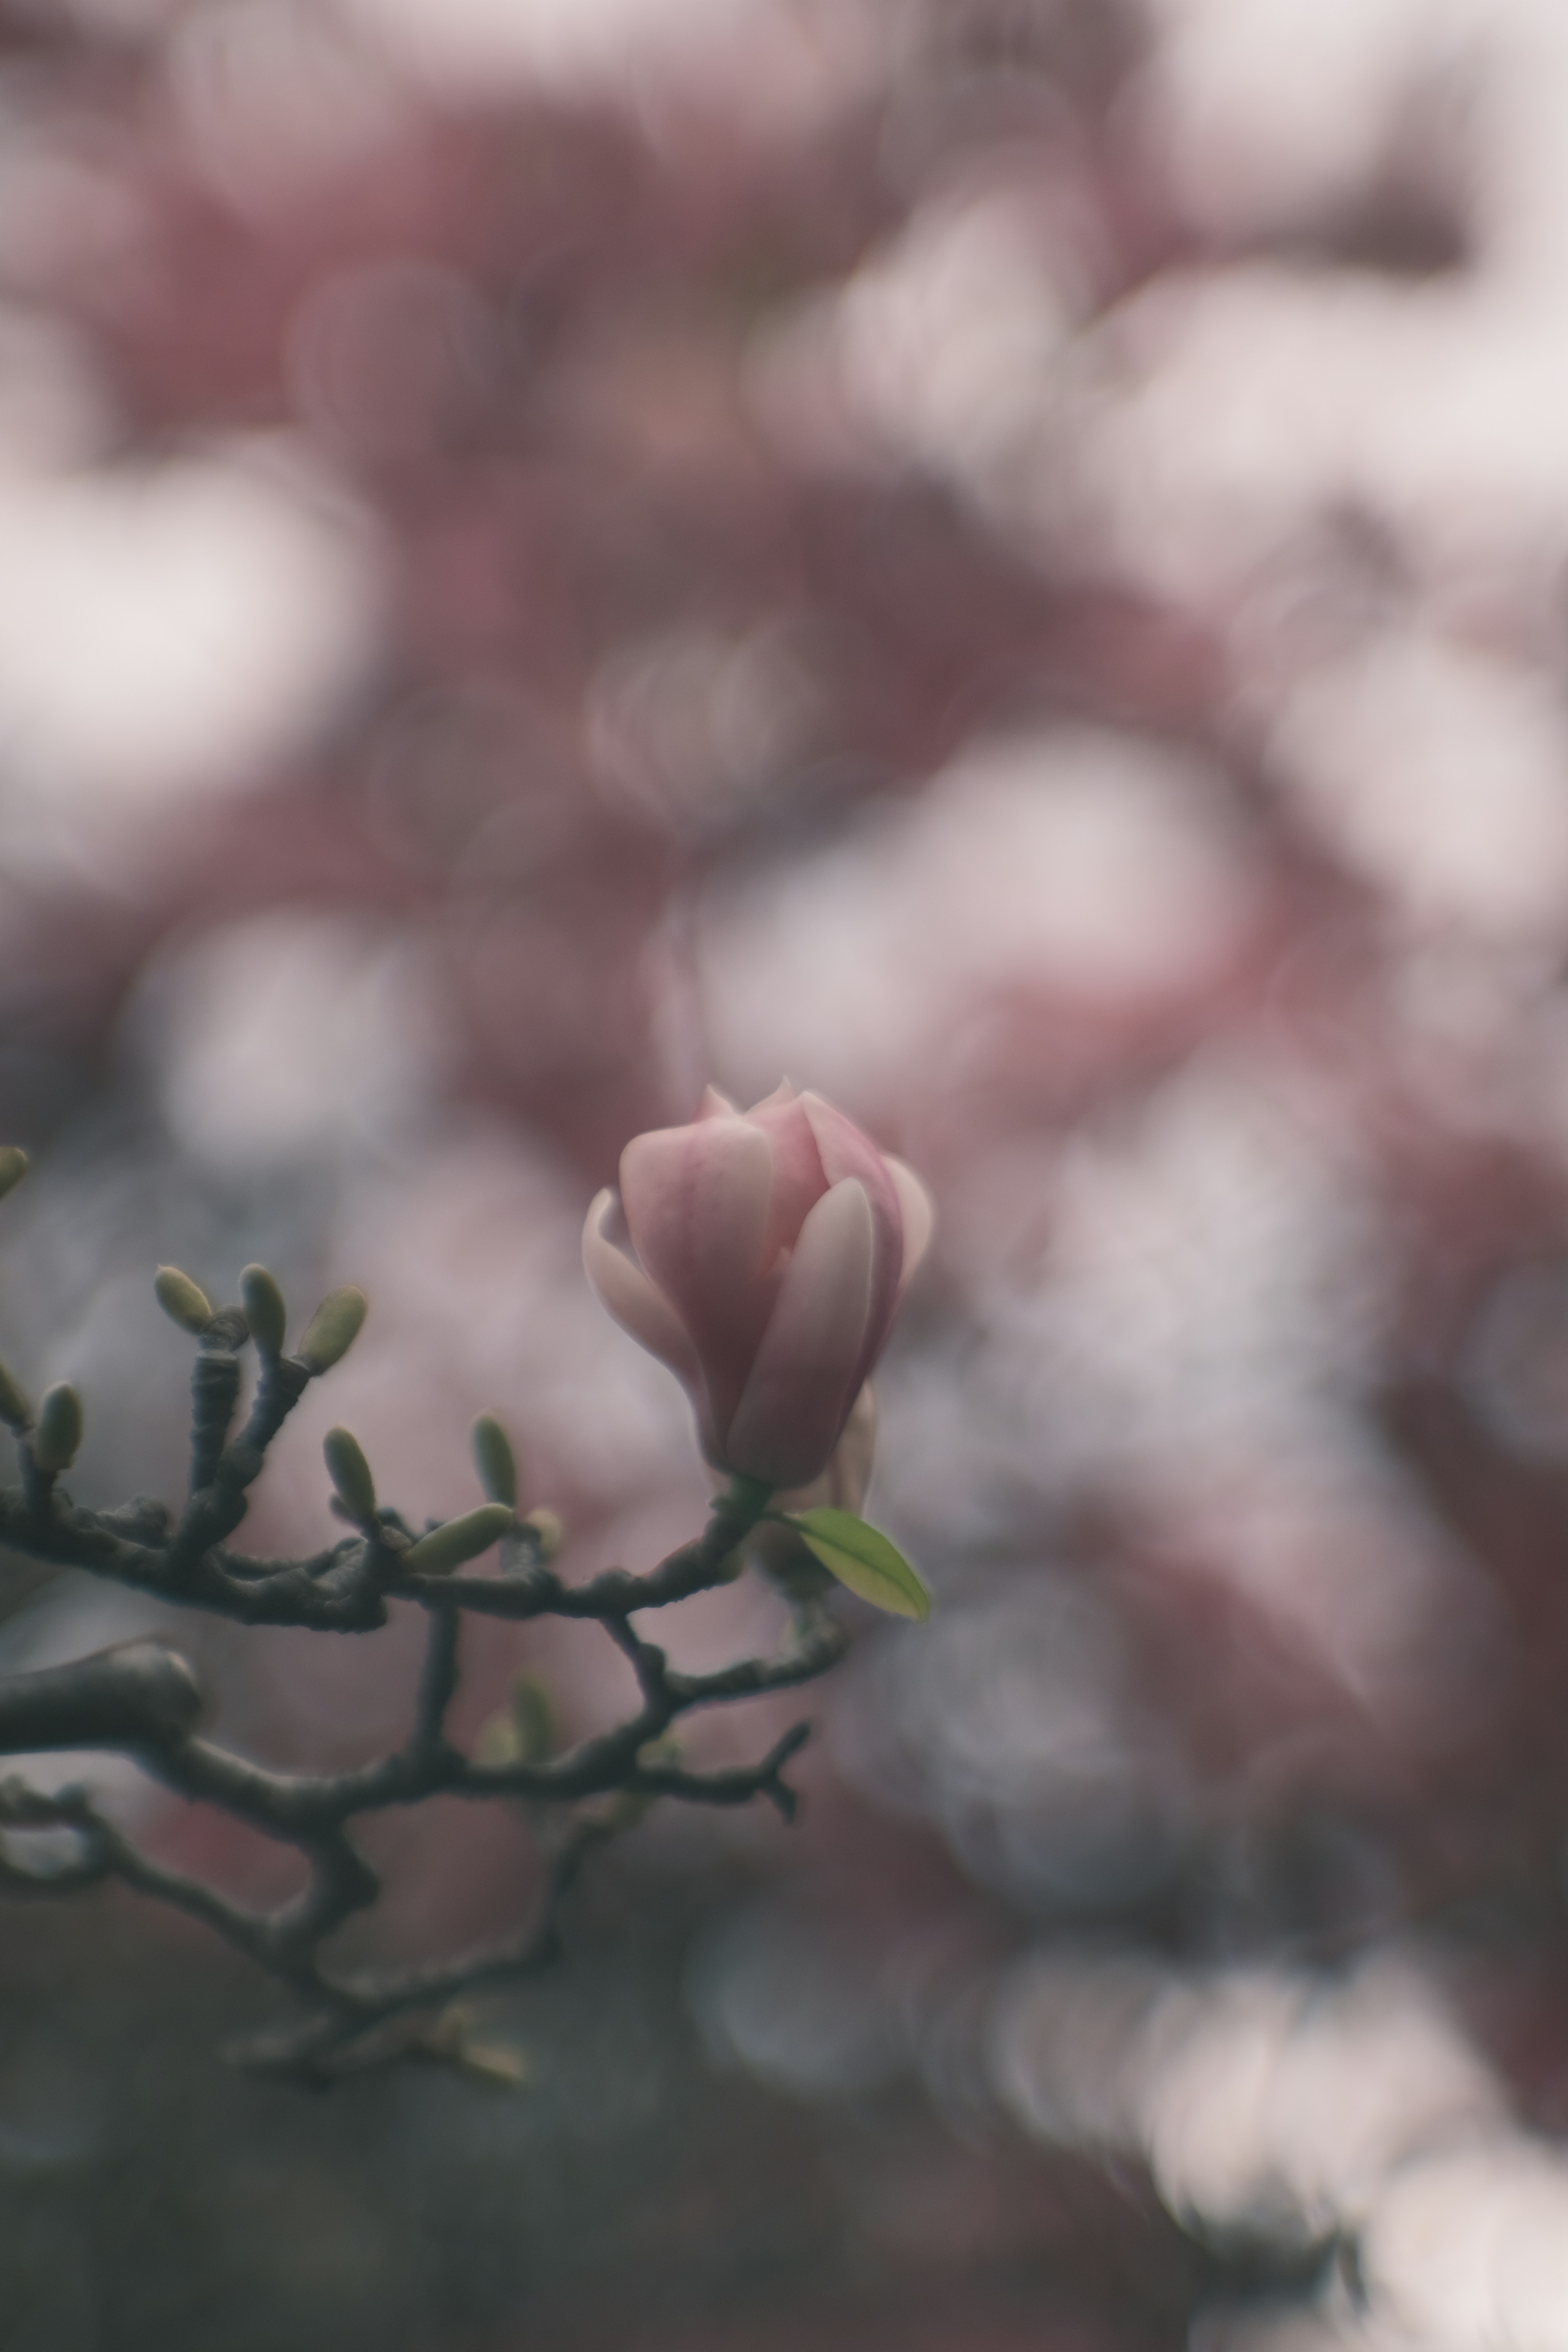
{"x": 13, "y": 1167}
{"x": 864, "y": 1560}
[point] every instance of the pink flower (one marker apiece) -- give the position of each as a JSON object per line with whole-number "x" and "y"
{"x": 762, "y": 1256}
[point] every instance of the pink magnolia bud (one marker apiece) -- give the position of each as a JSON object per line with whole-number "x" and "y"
{"x": 762, "y": 1256}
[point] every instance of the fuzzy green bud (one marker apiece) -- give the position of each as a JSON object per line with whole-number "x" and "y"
{"x": 184, "y": 1302}
{"x": 14, "y": 1410}
{"x": 350, "y": 1474}
{"x": 548, "y": 1532}
{"x": 495, "y": 1461}
{"x": 56, "y": 1433}
{"x": 444, "y": 1548}
{"x": 332, "y": 1328}
{"x": 13, "y": 1167}
{"x": 534, "y": 1719}
{"x": 262, "y": 1303}
{"x": 524, "y": 1730}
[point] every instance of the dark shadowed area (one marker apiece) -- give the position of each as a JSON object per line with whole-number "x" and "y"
{"x": 1003, "y": 560}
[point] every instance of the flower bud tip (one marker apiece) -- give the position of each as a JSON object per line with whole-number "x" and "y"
{"x": 184, "y": 1302}
{"x": 57, "y": 1434}
{"x": 447, "y": 1548}
{"x": 350, "y": 1474}
{"x": 332, "y": 1328}
{"x": 495, "y": 1461}
{"x": 264, "y": 1310}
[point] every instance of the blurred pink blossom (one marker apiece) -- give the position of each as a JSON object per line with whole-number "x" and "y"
{"x": 761, "y": 1256}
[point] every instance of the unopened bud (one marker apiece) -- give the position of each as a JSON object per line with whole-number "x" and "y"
{"x": 262, "y": 1302}
{"x": 534, "y": 1719}
{"x": 499, "y": 2064}
{"x": 332, "y": 1328}
{"x": 184, "y": 1301}
{"x": 350, "y": 1474}
{"x": 444, "y": 1548}
{"x": 14, "y": 1410}
{"x": 13, "y": 1167}
{"x": 548, "y": 1532}
{"x": 524, "y": 1730}
{"x": 58, "y": 1430}
{"x": 495, "y": 1461}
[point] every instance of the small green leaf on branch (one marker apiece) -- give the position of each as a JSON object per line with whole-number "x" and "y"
{"x": 350, "y": 1474}
{"x": 13, "y": 1167}
{"x": 58, "y": 1432}
{"x": 332, "y": 1328}
{"x": 447, "y": 1548}
{"x": 864, "y": 1560}
{"x": 264, "y": 1310}
{"x": 184, "y": 1302}
{"x": 495, "y": 1461}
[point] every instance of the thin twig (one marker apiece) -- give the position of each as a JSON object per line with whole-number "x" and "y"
{"x": 143, "y": 1700}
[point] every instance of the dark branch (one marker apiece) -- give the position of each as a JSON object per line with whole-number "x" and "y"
{"x": 143, "y": 1698}
{"x": 139, "y": 1695}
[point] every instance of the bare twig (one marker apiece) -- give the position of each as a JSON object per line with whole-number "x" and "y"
{"x": 143, "y": 1700}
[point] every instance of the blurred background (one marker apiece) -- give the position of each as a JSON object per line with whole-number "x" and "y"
{"x": 1004, "y": 559}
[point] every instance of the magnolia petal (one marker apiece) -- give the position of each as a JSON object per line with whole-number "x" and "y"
{"x": 805, "y": 1378}
{"x": 799, "y": 1180}
{"x": 714, "y": 1104}
{"x": 919, "y": 1212}
{"x": 626, "y": 1291}
{"x": 843, "y": 1484}
{"x": 697, "y": 1206}
{"x": 845, "y": 1153}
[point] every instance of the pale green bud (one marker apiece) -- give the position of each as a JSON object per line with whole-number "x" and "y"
{"x": 495, "y": 1461}
{"x": 13, "y": 1167}
{"x": 534, "y": 1719}
{"x": 350, "y": 1474}
{"x": 264, "y": 1310}
{"x": 444, "y": 1548}
{"x": 182, "y": 1301}
{"x": 332, "y": 1328}
{"x": 548, "y": 1532}
{"x": 499, "y": 2063}
{"x": 14, "y": 1410}
{"x": 56, "y": 1433}
{"x": 524, "y": 1730}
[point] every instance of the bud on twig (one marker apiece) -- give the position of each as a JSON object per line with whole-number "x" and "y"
{"x": 444, "y": 1548}
{"x": 496, "y": 2063}
{"x": 13, "y": 1167}
{"x": 262, "y": 1302}
{"x": 184, "y": 1301}
{"x": 350, "y": 1474}
{"x": 524, "y": 1730}
{"x": 14, "y": 1410}
{"x": 332, "y": 1328}
{"x": 58, "y": 1430}
{"x": 548, "y": 1532}
{"x": 495, "y": 1461}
